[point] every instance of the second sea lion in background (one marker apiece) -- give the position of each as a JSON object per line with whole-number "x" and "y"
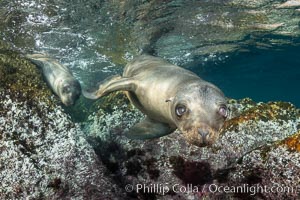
{"x": 58, "y": 77}
{"x": 171, "y": 97}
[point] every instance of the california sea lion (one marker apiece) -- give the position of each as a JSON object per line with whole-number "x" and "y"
{"x": 171, "y": 97}
{"x": 58, "y": 77}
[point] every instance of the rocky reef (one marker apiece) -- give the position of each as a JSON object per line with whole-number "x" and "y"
{"x": 256, "y": 157}
{"x": 43, "y": 154}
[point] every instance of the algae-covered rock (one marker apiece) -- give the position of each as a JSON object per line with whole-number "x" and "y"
{"x": 169, "y": 168}
{"x": 20, "y": 77}
{"x": 272, "y": 171}
{"x": 43, "y": 154}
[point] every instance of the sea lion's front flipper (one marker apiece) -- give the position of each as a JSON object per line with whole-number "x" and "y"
{"x": 148, "y": 129}
{"x": 111, "y": 84}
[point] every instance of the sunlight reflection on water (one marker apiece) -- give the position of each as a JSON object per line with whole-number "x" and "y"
{"x": 84, "y": 39}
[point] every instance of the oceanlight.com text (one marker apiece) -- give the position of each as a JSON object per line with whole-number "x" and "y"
{"x": 250, "y": 189}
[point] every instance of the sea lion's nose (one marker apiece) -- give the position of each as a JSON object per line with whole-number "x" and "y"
{"x": 69, "y": 103}
{"x": 203, "y": 133}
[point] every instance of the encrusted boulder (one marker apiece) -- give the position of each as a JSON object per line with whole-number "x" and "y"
{"x": 271, "y": 171}
{"x": 170, "y": 168}
{"x": 43, "y": 154}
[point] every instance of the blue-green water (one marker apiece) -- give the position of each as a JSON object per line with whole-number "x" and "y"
{"x": 94, "y": 44}
{"x": 263, "y": 75}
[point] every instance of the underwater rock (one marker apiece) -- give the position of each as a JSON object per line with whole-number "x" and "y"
{"x": 273, "y": 170}
{"x": 43, "y": 154}
{"x": 169, "y": 168}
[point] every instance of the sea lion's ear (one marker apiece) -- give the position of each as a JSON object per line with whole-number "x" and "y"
{"x": 170, "y": 99}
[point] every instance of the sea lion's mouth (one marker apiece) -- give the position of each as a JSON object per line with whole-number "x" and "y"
{"x": 201, "y": 136}
{"x": 68, "y": 103}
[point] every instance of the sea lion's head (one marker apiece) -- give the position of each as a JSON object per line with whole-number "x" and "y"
{"x": 69, "y": 91}
{"x": 199, "y": 111}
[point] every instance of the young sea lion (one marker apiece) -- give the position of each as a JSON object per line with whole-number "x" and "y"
{"x": 58, "y": 77}
{"x": 171, "y": 97}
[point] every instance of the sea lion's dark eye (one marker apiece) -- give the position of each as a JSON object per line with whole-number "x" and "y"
{"x": 180, "y": 110}
{"x": 223, "y": 111}
{"x": 66, "y": 89}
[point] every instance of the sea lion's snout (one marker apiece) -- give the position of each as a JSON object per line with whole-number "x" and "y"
{"x": 200, "y": 129}
{"x": 200, "y": 135}
{"x": 203, "y": 134}
{"x": 70, "y": 99}
{"x": 70, "y": 92}
{"x": 69, "y": 102}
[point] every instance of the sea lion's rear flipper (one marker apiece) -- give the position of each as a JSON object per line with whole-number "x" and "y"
{"x": 38, "y": 58}
{"x": 148, "y": 129}
{"x": 110, "y": 84}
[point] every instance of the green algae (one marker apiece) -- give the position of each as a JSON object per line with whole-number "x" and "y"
{"x": 21, "y": 79}
{"x": 108, "y": 103}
